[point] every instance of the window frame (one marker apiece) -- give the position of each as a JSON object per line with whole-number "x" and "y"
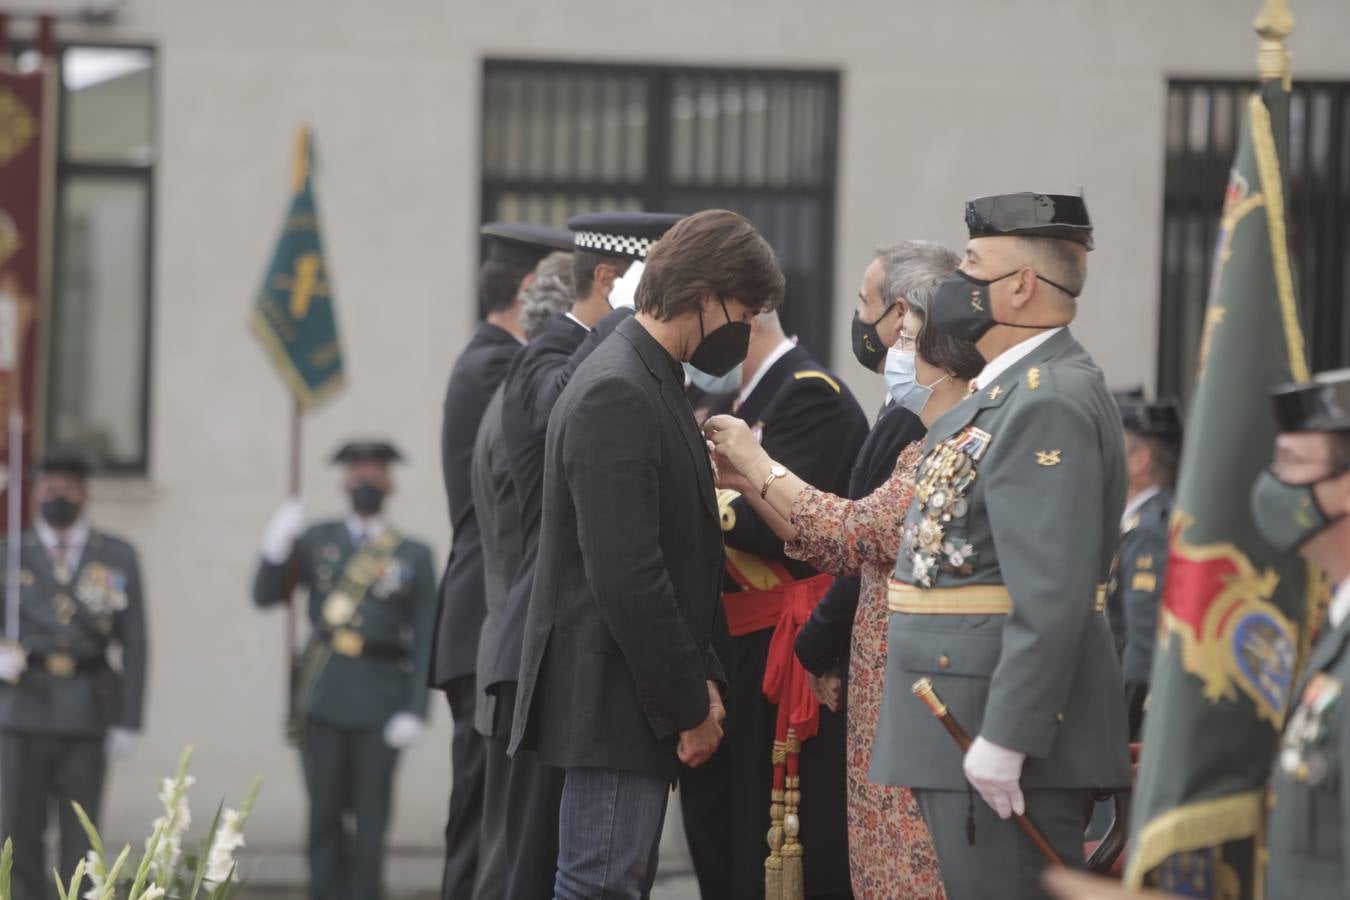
{"x": 143, "y": 174}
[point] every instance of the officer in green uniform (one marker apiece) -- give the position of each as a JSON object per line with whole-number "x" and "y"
{"x": 63, "y": 708}
{"x": 362, "y": 689}
{"x": 999, "y": 591}
{"x": 1152, "y": 448}
{"x": 1302, "y": 505}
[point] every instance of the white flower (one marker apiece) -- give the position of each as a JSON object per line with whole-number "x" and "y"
{"x": 229, "y": 837}
{"x": 95, "y": 871}
{"x": 152, "y": 893}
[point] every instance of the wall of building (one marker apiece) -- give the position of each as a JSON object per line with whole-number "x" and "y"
{"x": 941, "y": 101}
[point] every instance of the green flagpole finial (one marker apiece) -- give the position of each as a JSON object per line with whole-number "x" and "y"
{"x": 1274, "y": 23}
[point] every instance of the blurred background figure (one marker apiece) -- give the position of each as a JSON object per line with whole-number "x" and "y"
{"x": 361, "y": 692}
{"x": 64, "y": 709}
{"x": 1152, "y": 451}
{"x": 513, "y": 249}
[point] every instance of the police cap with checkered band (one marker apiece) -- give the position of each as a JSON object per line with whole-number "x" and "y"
{"x": 626, "y": 235}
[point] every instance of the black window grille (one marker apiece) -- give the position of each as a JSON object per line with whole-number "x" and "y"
{"x": 562, "y": 138}
{"x": 1204, "y": 120}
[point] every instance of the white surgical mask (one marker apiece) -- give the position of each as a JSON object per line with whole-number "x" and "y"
{"x": 624, "y": 292}
{"x": 902, "y": 382}
{"x": 729, "y": 383}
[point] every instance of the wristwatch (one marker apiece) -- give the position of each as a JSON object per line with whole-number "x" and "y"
{"x": 776, "y": 470}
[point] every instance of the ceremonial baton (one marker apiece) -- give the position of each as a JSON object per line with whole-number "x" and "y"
{"x": 923, "y": 689}
{"x": 10, "y": 363}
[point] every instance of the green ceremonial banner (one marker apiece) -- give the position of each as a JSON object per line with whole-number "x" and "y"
{"x": 1232, "y": 632}
{"x": 293, "y": 314}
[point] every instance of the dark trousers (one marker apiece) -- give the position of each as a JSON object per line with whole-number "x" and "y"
{"x": 34, "y": 770}
{"x": 726, "y": 800}
{"x": 467, "y": 755}
{"x": 347, "y": 771}
{"x": 518, "y": 856}
{"x": 609, "y": 834}
{"x": 1002, "y": 862}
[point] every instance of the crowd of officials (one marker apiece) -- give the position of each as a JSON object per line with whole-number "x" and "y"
{"x": 681, "y": 554}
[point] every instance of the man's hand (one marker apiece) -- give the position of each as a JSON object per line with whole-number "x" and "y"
{"x": 403, "y": 730}
{"x": 119, "y": 742}
{"x": 284, "y": 529}
{"x": 828, "y": 689}
{"x": 996, "y": 773}
{"x": 697, "y": 745}
{"x": 13, "y": 662}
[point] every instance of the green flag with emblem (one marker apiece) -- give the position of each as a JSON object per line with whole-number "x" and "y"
{"x": 1232, "y": 629}
{"x": 293, "y": 314}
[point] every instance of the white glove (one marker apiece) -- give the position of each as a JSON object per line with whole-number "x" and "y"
{"x": 120, "y": 742}
{"x": 403, "y": 730}
{"x": 13, "y": 662}
{"x": 624, "y": 292}
{"x": 284, "y": 529}
{"x": 996, "y": 773}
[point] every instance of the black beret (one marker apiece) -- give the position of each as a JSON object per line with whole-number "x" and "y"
{"x": 65, "y": 460}
{"x": 1161, "y": 419}
{"x": 523, "y": 243}
{"x": 1028, "y": 214}
{"x": 624, "y": 234}
{"x": 367, "y": 451}
{"x": 1322, "y": 404}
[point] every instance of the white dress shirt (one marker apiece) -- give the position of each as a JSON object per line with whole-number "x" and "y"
{"x": 363, "y": 530}
{"x": 73, "y": 540}
{"x": 1139, "y": 500}
{"x": 773, "y": 357}
{"x": 578, "y": 321}
{"x": 1011, "y": 357}
{"x": 1340, "y": 604}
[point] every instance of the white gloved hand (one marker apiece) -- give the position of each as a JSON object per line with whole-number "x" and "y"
{"x": 624, "y": 292}
{"x": 120, "y": 742}
{"x": 996, "y": 772}
{"x": 283, "y": 530}
{"x": 13, "y": 662}
{"x": 403, "y": 730}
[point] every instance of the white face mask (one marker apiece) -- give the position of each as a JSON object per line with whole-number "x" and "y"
{"x": 902, "y": 381}
{"x": 624, "y": 292}
{"x": 729, "y": 383}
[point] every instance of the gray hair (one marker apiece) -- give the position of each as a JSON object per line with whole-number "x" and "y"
{"x": 912, "y": 270}
{"x": 549, "y": 294}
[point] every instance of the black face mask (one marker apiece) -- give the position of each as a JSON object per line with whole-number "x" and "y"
{"x": 367, "y": 499}
{"x": 60, "y": 512}
{"x": 720, "y": 350}
{"x": 963, "y": 309}
{"x": 868, "y": 347}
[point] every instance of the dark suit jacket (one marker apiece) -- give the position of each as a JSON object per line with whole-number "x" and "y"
{"x": 824, "y": 641}
{"x": 618, "y": 647}
{"x": 476, "y": 375}
{"x": 494, "y": 502}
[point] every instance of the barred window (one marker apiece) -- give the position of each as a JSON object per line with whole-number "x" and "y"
{"x": 561, "y": 138}
{"x": 1204, "y": 121}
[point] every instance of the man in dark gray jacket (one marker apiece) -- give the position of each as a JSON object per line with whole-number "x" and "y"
{"x": 618, "y": 681}
{"x": 63, "y": 708}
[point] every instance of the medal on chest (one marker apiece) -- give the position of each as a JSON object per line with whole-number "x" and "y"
{"x": 940, "y": 496}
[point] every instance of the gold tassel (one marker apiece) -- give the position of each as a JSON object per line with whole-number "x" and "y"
{"x": 773, "y": 865}
{"x": 794, "y": 854}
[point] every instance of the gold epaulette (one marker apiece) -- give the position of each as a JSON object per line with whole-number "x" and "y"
{"x": 814, "y": 373}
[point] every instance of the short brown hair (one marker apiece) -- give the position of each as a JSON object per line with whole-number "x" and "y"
{"x": 712, "y": 252}
{"x": 948, "y": 353}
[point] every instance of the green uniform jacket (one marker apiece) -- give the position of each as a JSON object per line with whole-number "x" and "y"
{"x": 1135, "y": 592}
{"x": 101, "y": 604}
{"x": 1309, "y": 799}
{"x": 1035, "y": 492}
{"x": 398, "y": 612}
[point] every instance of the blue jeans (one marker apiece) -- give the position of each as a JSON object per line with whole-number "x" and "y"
{"x": 609, "y": 833}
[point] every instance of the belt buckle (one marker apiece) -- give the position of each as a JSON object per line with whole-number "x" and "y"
{"x": 348, "y": 643}
{"x": 60, "y": 665}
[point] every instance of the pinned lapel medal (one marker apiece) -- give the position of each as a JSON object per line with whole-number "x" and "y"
{"x": 1302, "y": 756}
{"x": 1049, "y": 457}
{"x": 995, "y": 391}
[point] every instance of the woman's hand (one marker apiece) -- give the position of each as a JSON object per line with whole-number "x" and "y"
{"x": 735, "y": 443}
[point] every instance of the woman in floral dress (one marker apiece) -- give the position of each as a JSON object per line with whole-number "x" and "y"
{"x": 890, "y": 852}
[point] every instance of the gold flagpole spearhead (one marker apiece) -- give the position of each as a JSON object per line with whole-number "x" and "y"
{"x": 1274, "y": 23}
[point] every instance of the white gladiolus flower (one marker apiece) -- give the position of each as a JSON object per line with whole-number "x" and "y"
{"x": 152, "y": 893}
{"x": 96, "y": 873}
{"x": 220, "y": 861}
